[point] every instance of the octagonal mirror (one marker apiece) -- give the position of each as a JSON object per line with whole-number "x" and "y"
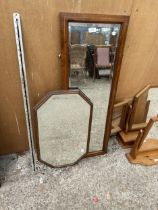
{"x": 63, "y": 127}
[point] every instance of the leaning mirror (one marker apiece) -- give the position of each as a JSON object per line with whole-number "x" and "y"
{"x": 63, "y": 127}
{"x": 92, "y": 47}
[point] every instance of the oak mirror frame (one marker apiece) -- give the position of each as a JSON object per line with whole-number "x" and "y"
{"x": 65, "y": 19}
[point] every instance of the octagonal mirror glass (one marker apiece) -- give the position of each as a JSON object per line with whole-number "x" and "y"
{"x": 64, "y": 123}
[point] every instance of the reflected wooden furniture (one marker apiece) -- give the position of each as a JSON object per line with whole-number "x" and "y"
{"x": 75, "y": 37}
{"x": 145, "y": 150}
{"x": 93, "y": 38}
{"x": 77, "y": 59}
{"x": 101, "y": 59}
{"x": 136, "y": 118}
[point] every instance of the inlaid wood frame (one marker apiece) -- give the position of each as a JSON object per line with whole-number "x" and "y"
{"x": 41, "y": 102}
{"x": 65, "y": 18}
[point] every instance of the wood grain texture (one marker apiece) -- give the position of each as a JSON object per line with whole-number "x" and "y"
{"x": 139, "y": 108}
{"x": 141, "y": 138}
{"x": 41, "y": 37}
{"x": 147, "y": 158}
{"x": 40, "y": 24}
{"x": 139, "y": 65}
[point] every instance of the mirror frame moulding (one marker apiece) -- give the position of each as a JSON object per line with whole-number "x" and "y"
{"x": 65, "y": 18}
{"x": 42, "y": 101}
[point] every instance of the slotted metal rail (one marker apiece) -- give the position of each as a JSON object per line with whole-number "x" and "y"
{"x": 24, "y": 84}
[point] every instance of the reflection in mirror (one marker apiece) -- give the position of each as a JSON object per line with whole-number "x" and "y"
{"x": 63, "y": 128}
{"x": 92, "y": 51}
{"x": 153, "y": 132}
{"x": 153, "y": 111}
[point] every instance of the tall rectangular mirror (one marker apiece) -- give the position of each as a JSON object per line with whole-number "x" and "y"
{"x": 92, "y": 49}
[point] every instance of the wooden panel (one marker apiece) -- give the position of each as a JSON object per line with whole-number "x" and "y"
{"x": 41, "y": 35}
{"x": 140, "y": 62}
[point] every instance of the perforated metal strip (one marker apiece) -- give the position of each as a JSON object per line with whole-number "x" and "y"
{"x": 24, "y": 84}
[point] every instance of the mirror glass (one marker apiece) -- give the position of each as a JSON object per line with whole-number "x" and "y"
{"x": 153, "y": 111}
{"x": 92, "y": 52}
{"x": 63, "y": 127}
{"x": 153, "y": 132}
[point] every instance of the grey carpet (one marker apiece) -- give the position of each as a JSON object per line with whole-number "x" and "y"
{"x": 104, "y": 182}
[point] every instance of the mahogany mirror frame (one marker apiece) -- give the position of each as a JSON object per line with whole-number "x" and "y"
{"x": 65, "y": 18}
{"x": 42, "y": 101}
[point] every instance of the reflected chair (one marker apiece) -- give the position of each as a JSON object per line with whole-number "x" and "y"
{"x": 77, "y": 60}
{"x": 101, "y": 59}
